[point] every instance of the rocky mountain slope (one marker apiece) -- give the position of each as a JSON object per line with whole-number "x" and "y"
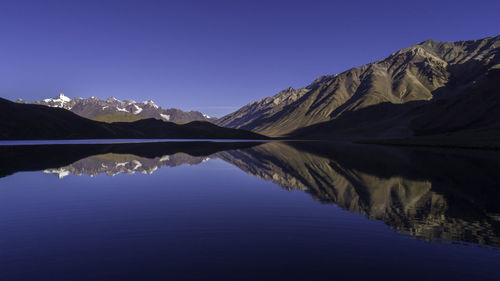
{"x": 32, "y": 121}
{"x": 394, "y": 97}
{"x": 262, "y": 109}
{"x": 113, "y": 110}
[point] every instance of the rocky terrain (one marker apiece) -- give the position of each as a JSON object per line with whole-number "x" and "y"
{"x": 447, "y": 89}
{"x": 113, "y": 110}
{"x": 262, "y": 109}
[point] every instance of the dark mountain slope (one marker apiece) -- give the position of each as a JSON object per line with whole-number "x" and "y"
{"x": 475, "y": 112}
{"x": 28, "y": 121}
{"x": 153, "y": 128}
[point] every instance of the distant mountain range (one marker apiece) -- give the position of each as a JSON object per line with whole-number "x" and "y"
{"x": 32, "y": 121}
{"x": 113, "y": 110}
{"x": 438, "y": 89}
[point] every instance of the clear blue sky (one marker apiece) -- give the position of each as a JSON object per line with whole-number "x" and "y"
{"x": 213, "y": 56}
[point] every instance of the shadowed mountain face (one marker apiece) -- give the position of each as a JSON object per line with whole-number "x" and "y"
{"x": 430, "y": 194}
{"x": 113, "y": 110}
{"x": 427, "y": 89}
{"x": 31, "y": 121}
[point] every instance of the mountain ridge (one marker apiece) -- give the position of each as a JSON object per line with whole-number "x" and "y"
{"x": 427, "y": 72}
{"x": 114, "y": 110}
{"x": 32, "y": 121}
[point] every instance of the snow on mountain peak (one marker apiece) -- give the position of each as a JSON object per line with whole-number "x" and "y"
{"x": 64, "y": 98}
{"x": 59, "y": 101}
{"x": 95, "y": 108}
{"x": 151, "y": 103}
{"x": 137, "y": 109}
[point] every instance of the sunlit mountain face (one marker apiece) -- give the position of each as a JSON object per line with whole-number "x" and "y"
{"x": 114, "y": 110}
{"x": 442, "y": 90}
{"x": 434, "y": 195}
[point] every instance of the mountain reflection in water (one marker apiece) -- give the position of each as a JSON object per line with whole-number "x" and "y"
{"x": 431, "y": 194}
{"x": 112, "y": 164}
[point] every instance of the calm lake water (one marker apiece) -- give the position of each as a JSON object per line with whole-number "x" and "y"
{"x": 248, "y": 211}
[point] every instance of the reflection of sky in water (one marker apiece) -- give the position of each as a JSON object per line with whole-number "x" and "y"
{"x": 209, "y": 220}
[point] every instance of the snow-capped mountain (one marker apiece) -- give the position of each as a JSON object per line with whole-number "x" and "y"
{"x": 114, "y": 110}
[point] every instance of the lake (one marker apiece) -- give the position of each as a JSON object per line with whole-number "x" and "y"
{"x": 248, "y": 211}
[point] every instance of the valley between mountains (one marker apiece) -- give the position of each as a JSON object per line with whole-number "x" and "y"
{"x": 431, "y": 93}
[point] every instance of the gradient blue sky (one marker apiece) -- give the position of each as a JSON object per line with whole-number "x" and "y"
{"x": 212, "y": 56}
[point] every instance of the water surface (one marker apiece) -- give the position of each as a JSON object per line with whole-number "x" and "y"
{"x": 111, "y": 141}
{"x": 247, "y": 211}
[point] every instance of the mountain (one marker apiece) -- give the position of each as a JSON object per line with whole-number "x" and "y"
{"x": 113, "y": 110}
{"x": 431, "y": 88}
{"x": 261, "y": 109}
{"x": 32, "y": 121}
